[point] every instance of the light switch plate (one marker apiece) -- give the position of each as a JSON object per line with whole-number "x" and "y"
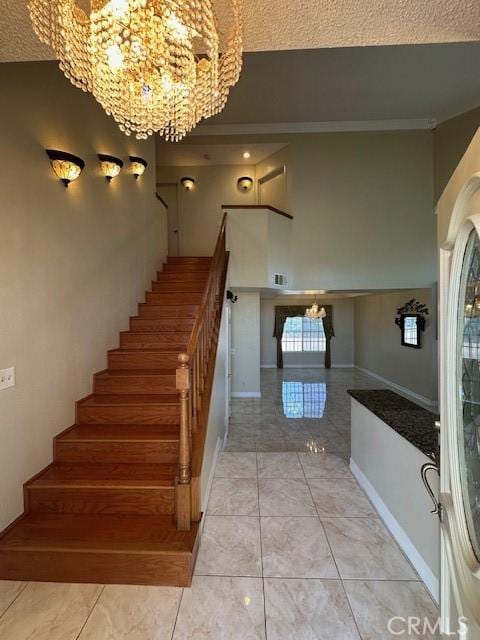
{"x": 7, "y": 378}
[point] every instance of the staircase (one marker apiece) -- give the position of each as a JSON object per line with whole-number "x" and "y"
{"x": 119, "y": 503}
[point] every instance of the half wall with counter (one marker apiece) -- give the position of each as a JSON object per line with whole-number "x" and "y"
{"x": 392, "y": 438}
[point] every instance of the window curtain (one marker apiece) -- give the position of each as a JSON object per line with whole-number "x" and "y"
{"x": 284, "y": 312}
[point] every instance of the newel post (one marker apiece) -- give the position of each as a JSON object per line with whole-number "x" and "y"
{"x": 183, "y": 509}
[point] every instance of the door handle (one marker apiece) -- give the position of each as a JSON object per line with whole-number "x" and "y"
{"x": 429, "y": 466}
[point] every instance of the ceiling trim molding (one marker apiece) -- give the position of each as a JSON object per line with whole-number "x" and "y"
{"x": 313, "y": 127}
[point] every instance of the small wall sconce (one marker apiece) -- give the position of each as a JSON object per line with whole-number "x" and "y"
{"x": 232, "y": 297}
{"x": 66, "y": 166}
{"x": 110, "y": 165}
{"x": 245, "y": 184}
{"x": 138, "y": 166}
{"x": 188, "y": 183}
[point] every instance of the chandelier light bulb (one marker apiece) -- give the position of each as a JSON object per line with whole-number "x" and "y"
{"x": 153, "y": 66}
{"x": 119, "y": 8}
{"x": 115, "y": 57}
{"x": 178, "y": 30}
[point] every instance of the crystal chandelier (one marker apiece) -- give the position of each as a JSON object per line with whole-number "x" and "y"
{"x": 315, "y": 312}
{"x": 154, "y": 65}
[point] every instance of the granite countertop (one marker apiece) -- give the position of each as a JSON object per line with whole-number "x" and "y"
{"x": 413, "y": 422}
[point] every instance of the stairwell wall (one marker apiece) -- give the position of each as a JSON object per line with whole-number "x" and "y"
{"x": 73, "y": 262}
{"x": 218, "y": 413}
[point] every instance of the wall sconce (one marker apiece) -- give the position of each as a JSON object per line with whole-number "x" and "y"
{"x": 188, "y": 183}
{"x": 245, "y": 184}
{"x": 138, "y": 166}
{"x": 110, "y": 165}
{"x": 66, "y": 166}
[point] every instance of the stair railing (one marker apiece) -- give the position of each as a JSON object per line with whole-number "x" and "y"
{"x": 191, "y": 378}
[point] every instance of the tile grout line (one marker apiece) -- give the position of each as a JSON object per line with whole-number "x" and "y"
{"x": 310, "y": 578}
{"x": 15, "y": 599}
{"x": 90, "y": 612}
{"x": 178, "y": 611}
{"x": 333, "y": 556}
{"x": 261, "y": 551}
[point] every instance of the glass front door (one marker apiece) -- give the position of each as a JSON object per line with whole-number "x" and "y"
{"x": 468, "y": 375}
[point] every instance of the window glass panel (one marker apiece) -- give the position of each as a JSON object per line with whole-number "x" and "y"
{"x": 303, "y": 334}
{"x": 469, "y": 386}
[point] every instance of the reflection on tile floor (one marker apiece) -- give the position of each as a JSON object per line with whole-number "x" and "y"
{"x": 292, "y": 548}
{"x": 303, "y": 399}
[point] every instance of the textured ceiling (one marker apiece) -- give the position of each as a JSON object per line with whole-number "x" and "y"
{"x": 303, "y": 24}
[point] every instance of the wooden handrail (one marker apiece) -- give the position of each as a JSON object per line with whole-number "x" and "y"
{"x": 258, "y": 206}
{"x": 193, "y": 379}
{"x": 211, "y": 274}
{"x": 159, "y": 197}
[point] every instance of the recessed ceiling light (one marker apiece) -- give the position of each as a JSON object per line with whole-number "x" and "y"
{"x": 246, "y": 155}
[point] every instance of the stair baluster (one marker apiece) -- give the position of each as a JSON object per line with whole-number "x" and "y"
{"x": 183, "y": 489}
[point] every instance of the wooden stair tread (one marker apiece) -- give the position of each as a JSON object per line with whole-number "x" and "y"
{"x": 189, "y": 259}
{"x": 87, "y": 533}
{"x": 155, "y": 329}
{"x": 164, "y": 349}
{"x": 180, "y": 303}
{"x": 121, "y": 433}
{"x": 106, "y": 475}
{"x": 129, "y": 400}
{"x": 161, "y": 349}
{"x": 115, "y": 373}
{"x": 184, "y": 335}
{"x": 182, "y": 276}
{"x": 168, "y": 325}
{"x": 182, "y": 332}
{"x": 187, "y": 268}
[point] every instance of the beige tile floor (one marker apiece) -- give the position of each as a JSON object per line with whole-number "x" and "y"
{"x": 291, "y": 548}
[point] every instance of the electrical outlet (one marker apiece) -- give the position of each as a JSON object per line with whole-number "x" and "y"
{"x": 7, "y": 378}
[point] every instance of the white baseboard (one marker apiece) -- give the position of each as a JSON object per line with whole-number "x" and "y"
{"x": 426, "y": 574}
{"x": 343, "y": 366}
{"x": 246, "y": 394}
{"x": 224, "y": 439}
{"x": 404, "y": 390}
{"x": 208, "y": 488}
{"x": 307, "y": 366}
